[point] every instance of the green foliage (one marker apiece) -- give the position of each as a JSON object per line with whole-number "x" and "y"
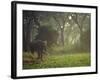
{"x": 61, "y": 60}
{"x": 70, "y": 29}
{"x": 62, "y": 28}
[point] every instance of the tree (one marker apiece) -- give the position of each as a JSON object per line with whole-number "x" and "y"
{"x": 61, "y": 19}
{"x": 80, "y": 20}
{"x": 47, "y": 33}
{"x": 30, "y": 20}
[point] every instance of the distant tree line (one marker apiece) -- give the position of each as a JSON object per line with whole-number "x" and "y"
{"x": 57, "y": 28}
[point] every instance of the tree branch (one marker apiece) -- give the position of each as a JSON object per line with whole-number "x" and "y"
{"x": 57, "y": 21}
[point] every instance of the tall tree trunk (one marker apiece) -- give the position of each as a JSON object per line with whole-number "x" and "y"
{"x": 24, "y": 40}
{"x": 62, "y": 36}
{"x": 81, "y": 39}
{"x": 28, "y": 34}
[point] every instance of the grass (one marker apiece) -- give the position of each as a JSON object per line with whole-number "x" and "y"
{"x": 56, "y": 61}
